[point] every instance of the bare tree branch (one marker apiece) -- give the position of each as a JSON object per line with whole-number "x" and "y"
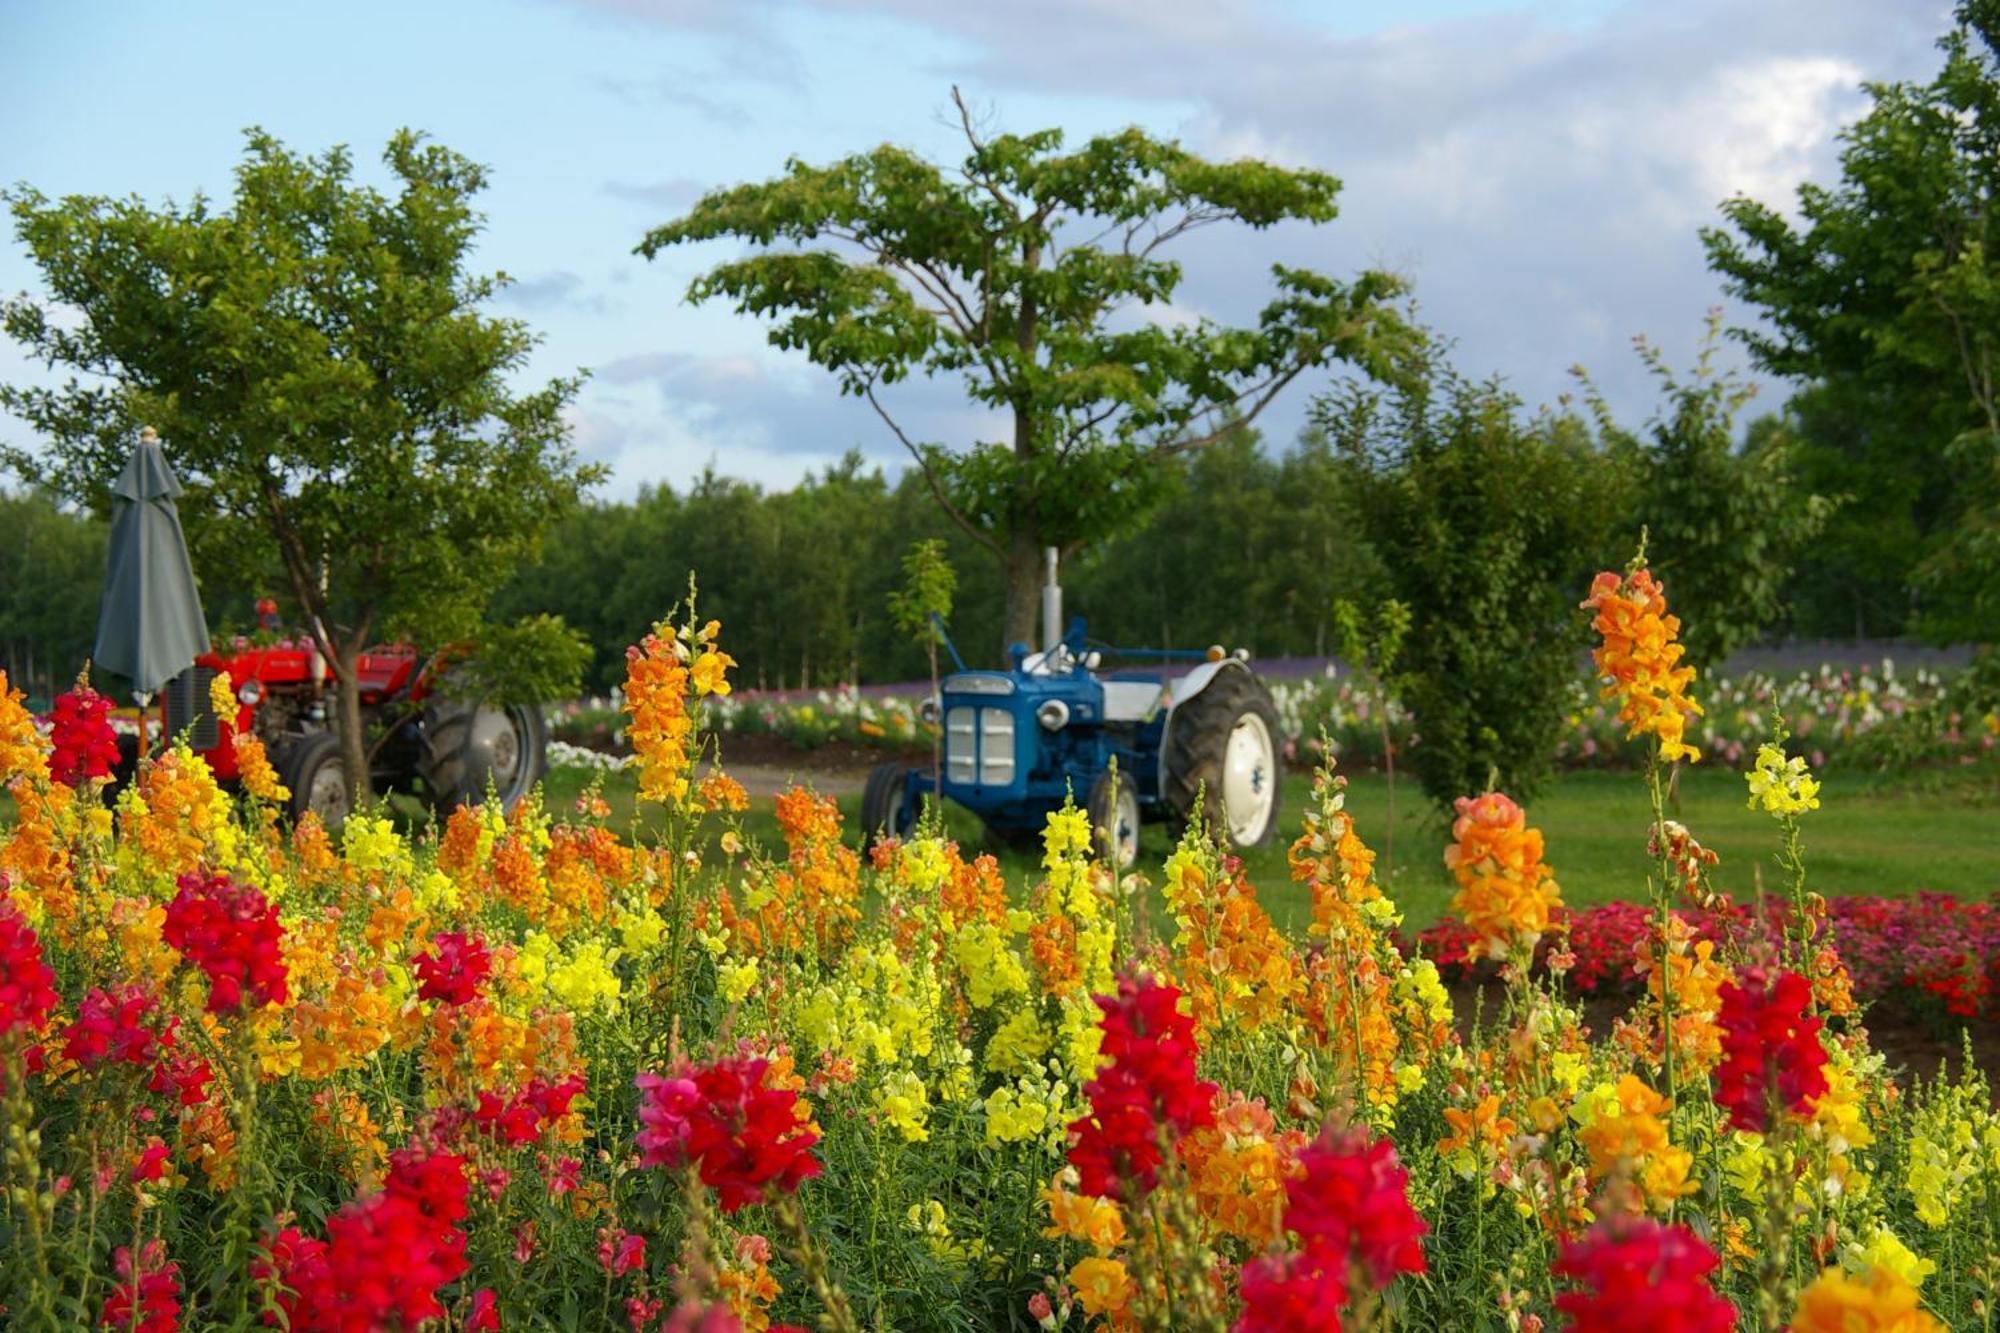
{"x": 983, "y": 181}
{"x": 930, "y": 477}
{"x": 1265, "y": 392}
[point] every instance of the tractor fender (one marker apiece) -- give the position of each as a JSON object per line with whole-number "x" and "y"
{"x": 1182, "y": 688}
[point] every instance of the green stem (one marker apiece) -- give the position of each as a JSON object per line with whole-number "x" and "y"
{"x": 1663, "y": 918}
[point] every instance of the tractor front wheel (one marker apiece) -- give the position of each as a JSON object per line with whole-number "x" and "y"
{"x": 1222, "y": 752}
{"x": 318, "y": 780}
{"x": 465, "y": 746}
{"x": 1113, "y": 808}
{"x": 883, "y": 802}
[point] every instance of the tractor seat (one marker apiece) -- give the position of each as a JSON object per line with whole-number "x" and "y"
{"x": 1130, "y": 700}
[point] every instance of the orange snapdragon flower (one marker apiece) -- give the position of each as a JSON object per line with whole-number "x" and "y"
{"x": 656, "y": 695}
{"x": 23, "y": 750}
{"x": 1085, "y": 1217}
{"x": 254, "y": 766}
{"x": 1103, "y": 1287}
{"x": 1506, "y": 892}
{"x": 1623, "y": 1132}
{"x": 1639, "y": 659}
{"x": 1880, "y": 1302}
{"x": 1481, "y": 1128}
{"x": 1238, "y": 1166}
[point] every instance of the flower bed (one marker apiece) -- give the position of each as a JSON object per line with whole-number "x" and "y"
{"x": 522, "y": 1073}
{"x": 1941, "y": 949}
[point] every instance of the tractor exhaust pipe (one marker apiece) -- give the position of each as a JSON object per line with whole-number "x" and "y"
{"x": 1052, "y": 626}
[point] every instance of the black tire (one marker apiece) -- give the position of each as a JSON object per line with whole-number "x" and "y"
{"x": 882, "y": 804}
{"x": 464, "y": 745}
{"x": 318, "y": 780}
{"x": 1115, "y": 829}
{"x": 1198, "y": 738}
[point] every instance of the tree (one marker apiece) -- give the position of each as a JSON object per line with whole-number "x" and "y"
{"x": 1886, "y": 298}
{"x": 1018, "y": 275}
{"x": 920, "y": 609}
{"x": 1726, "y": 524}
{"x": 1493, "y": 525}
{"x": 317, "y": 361}
{"x": 51, "y": 575}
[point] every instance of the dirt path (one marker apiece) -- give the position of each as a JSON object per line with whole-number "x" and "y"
{"x": 764, "y": 781}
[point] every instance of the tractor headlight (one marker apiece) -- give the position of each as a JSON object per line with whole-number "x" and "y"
{"x": 250, "y": 693}
{"x": 1053, "y": 714}
{"x": 927, "y": 711}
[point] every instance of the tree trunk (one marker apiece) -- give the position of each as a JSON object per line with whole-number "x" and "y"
{"x": 1024, "y": 591}
{"x": 347, "y": 725}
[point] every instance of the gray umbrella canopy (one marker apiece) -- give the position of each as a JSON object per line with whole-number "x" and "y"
{"x": 150, "y": 627}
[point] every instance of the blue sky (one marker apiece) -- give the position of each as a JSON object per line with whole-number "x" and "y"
{"x": 1538, "y": 170}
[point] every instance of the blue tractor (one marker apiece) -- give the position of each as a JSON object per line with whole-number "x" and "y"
{"x": 1017, "y": 743}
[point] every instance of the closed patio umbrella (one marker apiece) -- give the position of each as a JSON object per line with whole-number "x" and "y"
{"x": 150, "y": 627}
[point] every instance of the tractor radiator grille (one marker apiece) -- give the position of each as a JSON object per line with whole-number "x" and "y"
{"x": 188, "y": 707}
{"x": 979, "y": 746}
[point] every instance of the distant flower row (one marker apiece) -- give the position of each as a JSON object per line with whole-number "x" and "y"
{"x": 1872, "y": 716}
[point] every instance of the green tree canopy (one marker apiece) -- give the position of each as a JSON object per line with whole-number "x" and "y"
{"x": 1018, "y": 274}
{"x": 1728, "y": 523}
{"x": 51, "y": 575}
{"x": 1885, "y": 297}
{"x": 325, "y": 380}
{"x": 1490, "y": 525}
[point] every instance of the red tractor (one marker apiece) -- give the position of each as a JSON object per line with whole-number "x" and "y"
{"x": 419, "y": 738}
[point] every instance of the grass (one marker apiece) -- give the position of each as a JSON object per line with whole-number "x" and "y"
{"x": 1866, "y": 838}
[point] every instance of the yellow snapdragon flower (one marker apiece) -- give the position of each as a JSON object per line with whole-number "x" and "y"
{"x": 1781, "y": 786}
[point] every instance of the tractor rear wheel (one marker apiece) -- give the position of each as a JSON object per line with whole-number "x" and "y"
{"x": 1113, "y": 808}
{"x": 882, "y": 804}
{"x": 1222, "y": 752}
{"x": 318, "y": 780}
{"x": 465, "y": 745}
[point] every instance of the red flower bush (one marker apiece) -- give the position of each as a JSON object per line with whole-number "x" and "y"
{"x": 1146, "y": 1089}
{"x": 1351, "y": 1212}
{"x": 27, "y": 984}
{"x": 83, "y": 745}
{"x": 1772, "y": 1056}
{"x": 452, "y": 969}
{"x": 110, "y": 1031}
{"x": 1639, "y": 1276}
{"x": 384, "y": 1258}
{"x": 748, "y": 1140}
{"x": 231, "y": 933}
{"x": 147, "y": 1298}
{"x": 1928, "y": 942}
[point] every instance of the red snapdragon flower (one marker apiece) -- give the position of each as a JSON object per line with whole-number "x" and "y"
{"x": 1147, "y": 1089}
{"x": 521, "y": 1118}
{"x": 1351, "y": 1212}
{"x": 147, "y": 1298}
{"x": 384, "y": 1259}
{"x": 83, "y": 745}
{"x": 484, "y": 1316}
{"x": 453, "y": 967}
{"x": 749, "y": 1140}
{"x": 1771, "y": 1051}
{"x": 620, "y": 1251}
{"x": 109, "y": 1030}
{"x": 231, "y": 933}
{"x": 1639, "y": 1276}
{"x": 27, "y": 984}
{"x": 180, "y": 1074}
{"x": 154, "y": 1162}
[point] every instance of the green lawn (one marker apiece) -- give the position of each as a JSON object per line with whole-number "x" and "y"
{"x": 1866, "y": 838}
